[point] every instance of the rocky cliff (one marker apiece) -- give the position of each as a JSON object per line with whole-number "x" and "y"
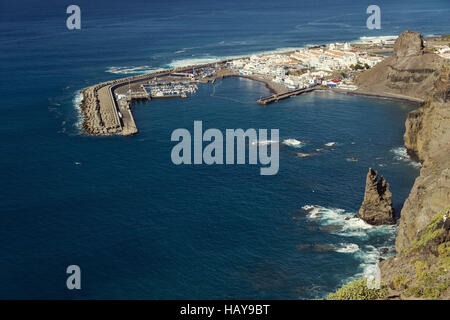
{"x": 421, "y": 267}
{"x": 411, "y": 71}
{"x": 427, "y": 137}
{"x": 377, "y": 208}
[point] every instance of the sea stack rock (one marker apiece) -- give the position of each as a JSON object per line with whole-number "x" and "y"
{"x": 377, "y": 208}
{"x": 408, "y": 44}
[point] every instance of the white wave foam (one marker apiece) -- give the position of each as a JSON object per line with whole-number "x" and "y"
{"x": 349, "y": 226}
{"x": 211, "y": 59}
{"x": 133, "y": 70}
{"x": 192, "y": 62}
{"x": 281, "y": 50}
{"x": 339, "y": 217}
{"x": 376, "y": 39}
{"x": 264, "y": 142}
{"x": 77, "y": 100}
{"x": 293, "y": 143}
{"x": 369, "y": 256}
{"x": 401, "y": 154}
{"x": 347, "y": 248}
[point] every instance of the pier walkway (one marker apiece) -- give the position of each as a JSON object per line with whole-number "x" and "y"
{"x": 110, "y": 116}
{"x": 107, "y": 114}
{"x": 281, "y": 96}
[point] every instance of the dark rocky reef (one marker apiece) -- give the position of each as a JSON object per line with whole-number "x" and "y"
{"x": 377, "y": 208}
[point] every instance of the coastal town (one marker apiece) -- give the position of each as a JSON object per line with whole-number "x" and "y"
{"x": 332, "y": 66}
{"x": 106, "y": 106}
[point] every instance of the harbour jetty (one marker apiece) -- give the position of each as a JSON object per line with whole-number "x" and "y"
{"x": 106, "y": 106}
{"x": 107, "y": 110}
{"x": 276, "y": 97}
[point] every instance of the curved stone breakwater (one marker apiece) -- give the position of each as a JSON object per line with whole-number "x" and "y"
{"x": 105, "y": 114}
{"x": 102, "y": 114}
{"x": 97, "y": 119}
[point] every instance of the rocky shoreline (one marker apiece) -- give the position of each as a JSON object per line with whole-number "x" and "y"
{"x": 101, "y": 111}
{"x": 383, "y": 95}
{"x": 96, "y": 121}
{"x": 412, "y": 73}
{"x": 421, "y": 267}
{"x": 103, "y": 115}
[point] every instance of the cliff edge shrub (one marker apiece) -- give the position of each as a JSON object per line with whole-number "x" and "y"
{"x": 358, "y": 290}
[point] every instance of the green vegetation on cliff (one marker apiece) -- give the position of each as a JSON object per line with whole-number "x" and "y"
{"x": 358, "y": 290}
{"x": 432, "y": 231}
{"x": 445, "y": 37}
{"x": 422, "y": 270}
{"x": 430, "y": 282}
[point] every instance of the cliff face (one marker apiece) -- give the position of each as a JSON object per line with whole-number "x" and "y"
{"x": 428, "y": 137}
{"x": 410, "y": 71}
{"x": 377, "y": 208}
{"x": 413, "y": 72}
{"x": 421, "y": 136}
{"x": 421, "y": 270}
{"x": 410, "y": 44}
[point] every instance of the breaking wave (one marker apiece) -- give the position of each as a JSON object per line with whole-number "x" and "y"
{"x": 133, "y": 70}
{"x": 195, "y": 61}
{"x": 401, "y": 154}
{"x": 77, "y": 100}
{"x": 347, "y": 248}
{"x": 293, "y": 143}
{"x": 349, "y": 225}
{"x": 368, "y": 239}
{"x": 264, "y": 142}
{"x": 179, "y": 63}
{"x": 366, "y": 39}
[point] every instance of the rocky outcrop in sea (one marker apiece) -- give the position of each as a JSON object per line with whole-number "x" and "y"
{"x": 377, "y": 208}
{"x": 420, "y": 269}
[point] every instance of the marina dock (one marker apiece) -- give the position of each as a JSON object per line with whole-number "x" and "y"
{"x": 107, "y": 106}
{"x": 281, "y": 96}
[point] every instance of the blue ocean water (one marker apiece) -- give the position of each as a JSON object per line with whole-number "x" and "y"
{"x": 141, "y": 227}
